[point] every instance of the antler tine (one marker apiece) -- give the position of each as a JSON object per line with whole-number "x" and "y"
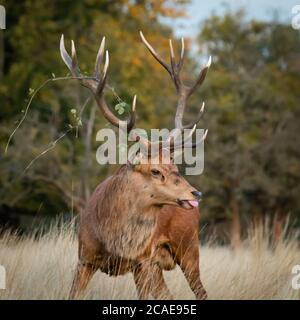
{"x": 192, "y": 126}
{"x": 105, "y": 65}
{"x": 186, "y": 93}
{"x": 174, "y": 67}
{"x": 131, "y": 122}
{"x": 194, "y": 145}
{"x": 172, "y": 55}
{"x": 65, "y": 56}
{"x": 102, "y": 83}
{"x": 199, "y": 116}
{"x": 201, "y": 77}
{"x": 174, "y": 145}
{"x": 180, "y": 63}
{"x": 188, "y": 145}
{"x": 133, "y": 104}
{"x": 155, "y": 54}
{"x": 74, "y": 56}
{"x": 97, "y": 82}
{"x": 99, "y": 58}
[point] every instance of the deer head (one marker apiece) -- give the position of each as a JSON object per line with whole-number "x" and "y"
{"x": 159, "y": 178}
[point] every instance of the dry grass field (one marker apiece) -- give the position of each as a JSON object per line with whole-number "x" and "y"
{"x": 42, "y": 268}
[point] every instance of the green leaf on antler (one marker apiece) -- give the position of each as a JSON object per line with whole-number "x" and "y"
{"x": 122, "y": 107}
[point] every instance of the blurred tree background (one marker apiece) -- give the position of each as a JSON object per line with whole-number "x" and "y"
{"x": 252, "y": 152}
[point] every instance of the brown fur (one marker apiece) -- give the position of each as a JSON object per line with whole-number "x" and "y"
{"x": 133, "y": 223}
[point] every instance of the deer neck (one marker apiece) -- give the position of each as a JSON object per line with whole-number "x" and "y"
{"x": 128, "y": 224}
{"x": 133, "y": 197}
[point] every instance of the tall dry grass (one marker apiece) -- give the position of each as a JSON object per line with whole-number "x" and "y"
{"x": 42, "y": 268}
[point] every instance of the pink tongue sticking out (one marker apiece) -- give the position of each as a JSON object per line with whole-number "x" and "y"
{"x": 193, "y": 203}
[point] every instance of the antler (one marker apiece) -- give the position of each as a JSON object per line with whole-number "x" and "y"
{"x": 96, "y": 83}
{"x": 184, "y": 91}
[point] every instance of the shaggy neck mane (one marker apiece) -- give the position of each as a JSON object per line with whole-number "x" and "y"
{"x": 126, "y": 223}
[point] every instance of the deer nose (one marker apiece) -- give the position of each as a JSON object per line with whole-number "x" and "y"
{"x": 197, "y": 194}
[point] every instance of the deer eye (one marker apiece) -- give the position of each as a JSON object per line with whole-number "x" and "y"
{"x": 155, "y": 172}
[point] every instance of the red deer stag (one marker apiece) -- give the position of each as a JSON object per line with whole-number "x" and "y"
{"x": 144, "y": 219}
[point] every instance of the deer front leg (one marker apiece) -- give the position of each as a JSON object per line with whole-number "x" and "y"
{"x": 189, "y": 264}
{"x": 149, "y": 279}
{"x": 159, "y": 289}
{"x": 148, "y": 274}
{"x": 162, "y": 259}
{"x": 193, "y": 278}
{"x": 83, "y": 275}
